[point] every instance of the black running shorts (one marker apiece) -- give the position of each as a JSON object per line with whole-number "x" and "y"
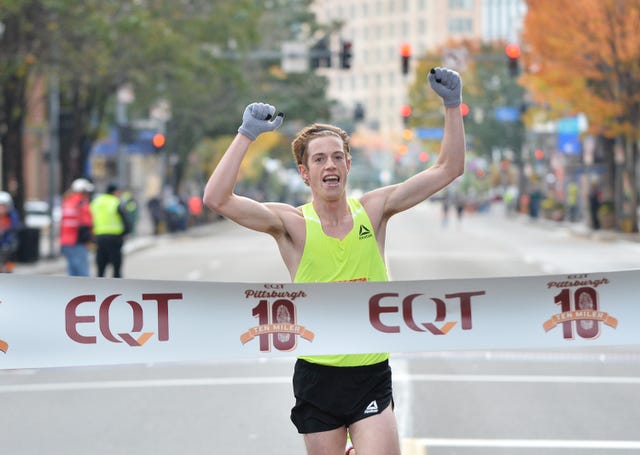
{"x": 331, "y": 397}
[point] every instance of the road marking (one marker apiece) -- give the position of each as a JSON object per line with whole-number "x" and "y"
{"x": 528, "y": 443}
{"x": 133, "y": 384}
{"x": 517, "y": 378}
{"x": 264, "y": 380}
{"x": 403, "y": 397}
{"x": 194, "y": 275}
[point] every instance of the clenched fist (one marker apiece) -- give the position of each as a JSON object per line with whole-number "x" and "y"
{"x": 447, "y": 84}
{"x": 259, "y": 118}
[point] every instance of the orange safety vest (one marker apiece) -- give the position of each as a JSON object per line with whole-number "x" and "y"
{"x": 75, "y": 213}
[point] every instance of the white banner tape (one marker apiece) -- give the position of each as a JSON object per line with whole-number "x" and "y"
{"x": 50, "y": 321}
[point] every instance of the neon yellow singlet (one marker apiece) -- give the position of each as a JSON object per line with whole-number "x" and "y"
{"x": 354, "y": 258}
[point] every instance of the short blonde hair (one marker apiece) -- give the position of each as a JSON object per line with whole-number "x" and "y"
{"x": 300, "y": 144}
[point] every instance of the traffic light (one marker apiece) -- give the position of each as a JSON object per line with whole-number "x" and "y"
{"x": 513, "y": 54}
{"x": 320, "y": 54}
{"x": 405, "y": 56}
{"x": 359, "y": 113}
{"x": 158, "y": 141}
{"x": 346, "y": 54}
{"x": 405, "y": 113}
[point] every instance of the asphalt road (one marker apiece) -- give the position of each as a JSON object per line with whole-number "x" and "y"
{"x": 472, "y": 402}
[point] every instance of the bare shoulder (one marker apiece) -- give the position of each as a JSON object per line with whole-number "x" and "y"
{"x": 375, "y": 203}
{"x": 291, "y": 217}
{"x": 292, "y": 235}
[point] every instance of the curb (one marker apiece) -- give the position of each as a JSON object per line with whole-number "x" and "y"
{"x": 58, "y": 265}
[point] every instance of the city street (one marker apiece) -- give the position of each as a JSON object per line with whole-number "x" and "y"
{"x": 564, "y": 402}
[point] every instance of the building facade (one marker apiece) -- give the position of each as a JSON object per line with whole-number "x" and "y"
{"x": 378, "y": 28}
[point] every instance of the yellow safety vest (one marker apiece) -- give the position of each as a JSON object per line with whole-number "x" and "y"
{"x": 106, "y": 219}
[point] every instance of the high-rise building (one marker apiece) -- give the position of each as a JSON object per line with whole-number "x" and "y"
{"x": 377, "y": 30}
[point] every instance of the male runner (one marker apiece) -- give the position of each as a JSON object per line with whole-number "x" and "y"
{"x": 319, "y": 242}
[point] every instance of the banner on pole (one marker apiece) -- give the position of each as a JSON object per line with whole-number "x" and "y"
{"x": 63, "y": 321}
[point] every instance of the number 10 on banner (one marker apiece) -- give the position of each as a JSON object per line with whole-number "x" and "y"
{"x": 276, "y": 321}
{"x": 582, "y": 308}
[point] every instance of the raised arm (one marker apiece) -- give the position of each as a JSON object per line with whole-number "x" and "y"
{"x": 218, "y": 193}
{"x": 393, "y": 199}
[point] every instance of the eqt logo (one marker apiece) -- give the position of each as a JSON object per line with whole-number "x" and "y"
{"x": 129, "y": 311}
{"x": 407, "y": 308}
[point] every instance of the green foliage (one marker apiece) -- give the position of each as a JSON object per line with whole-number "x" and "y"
{"x": 196, "y": 57}
{"x": 487, "y": 86}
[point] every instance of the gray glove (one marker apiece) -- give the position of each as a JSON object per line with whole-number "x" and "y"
{"x": 447, "y": 84}
{"x": 259, "y": 118}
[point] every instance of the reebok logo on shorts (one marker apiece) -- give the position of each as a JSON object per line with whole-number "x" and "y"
{"x": 372, "y": 408}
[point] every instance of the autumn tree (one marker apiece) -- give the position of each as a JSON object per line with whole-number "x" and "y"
{"x": 585, "y": 57}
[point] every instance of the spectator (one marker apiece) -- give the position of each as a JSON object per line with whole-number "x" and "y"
{"x": 110, "y": 226}
{"x": 572, "y": 201}
{"x": 9, "y": 225}
{"x": 176, "y": 214}
{"x": 76, "y": 227}
{"x": 460, "y": 206}
{"x": 535, "y": 199}
{"x": 594, "y": 205}
{"x": 131, "y": 210}
{"x": 195, "y": 209}
{"x": 156, "y": 211}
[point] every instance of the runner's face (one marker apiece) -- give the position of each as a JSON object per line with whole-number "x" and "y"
{"x": 327, "y": 166}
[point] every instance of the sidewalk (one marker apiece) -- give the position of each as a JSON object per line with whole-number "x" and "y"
{"x": 55, "y": 264}
{"x": 142, "y": 239}
{"x": 578, "y": 228}
{"x": 58, "y": 266}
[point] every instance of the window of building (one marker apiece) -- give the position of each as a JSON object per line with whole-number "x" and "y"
{"x": 461, "y": 4}
{"x": 460, "y": 25}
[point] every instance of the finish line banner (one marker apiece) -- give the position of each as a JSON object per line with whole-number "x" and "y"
{"x": 50, "y": 321}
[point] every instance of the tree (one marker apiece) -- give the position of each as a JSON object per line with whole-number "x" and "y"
{"x": 197, "y": 58}
{"x": 585, "y": 57}
{"x": 21, "y": 42}
{"x": 488, "y": 88}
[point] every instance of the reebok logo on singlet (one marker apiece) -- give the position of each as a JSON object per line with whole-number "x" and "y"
{"x": 372, "y": 408}
{"x": 364, "y": 233}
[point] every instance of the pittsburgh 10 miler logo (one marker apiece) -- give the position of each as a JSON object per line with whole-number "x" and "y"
{"x": 275, "y": 311}
{"x": 580, "y": 313}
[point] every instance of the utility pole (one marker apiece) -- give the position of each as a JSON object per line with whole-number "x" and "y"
{"x": 54, "y": 142}
{"x": 124, "y": 97}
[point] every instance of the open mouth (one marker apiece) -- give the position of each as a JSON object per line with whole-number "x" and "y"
{"x": 331, "y": 179}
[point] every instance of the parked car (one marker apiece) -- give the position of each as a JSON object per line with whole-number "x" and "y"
{"x": 36, "y": 214}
